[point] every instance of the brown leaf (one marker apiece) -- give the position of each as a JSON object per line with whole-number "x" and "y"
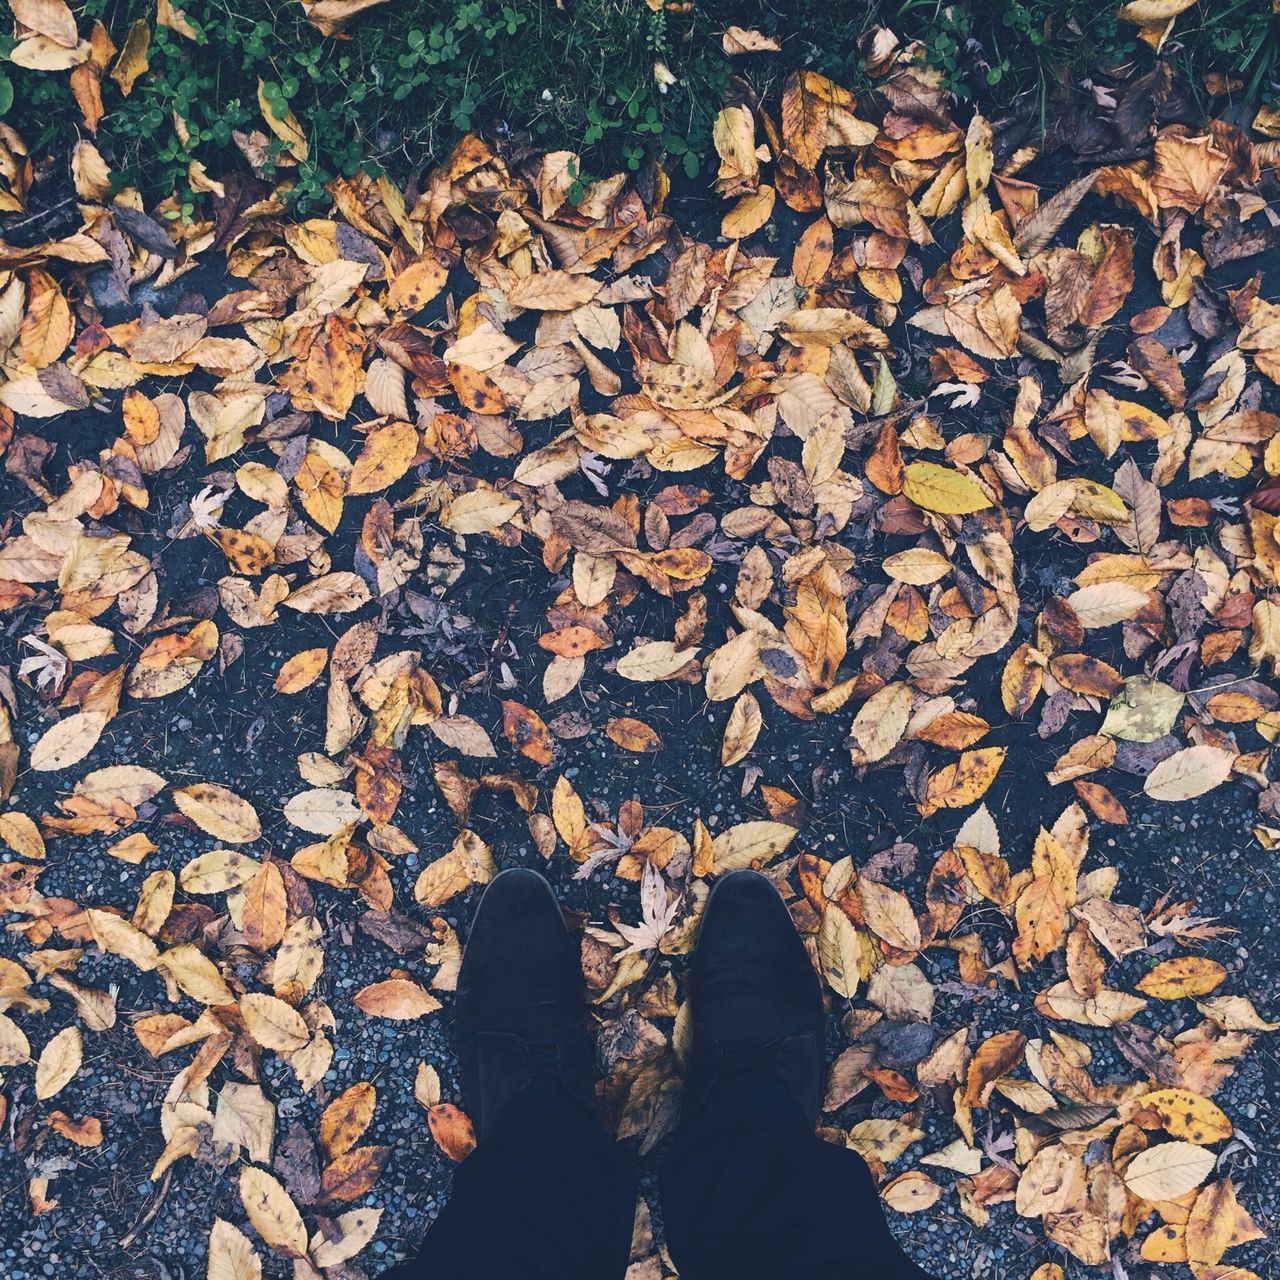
{"x": 353, "y": 1174}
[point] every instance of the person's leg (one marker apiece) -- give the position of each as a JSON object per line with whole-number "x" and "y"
{"x": 546, "y": 1195}
{"x": 748, "y": 1189}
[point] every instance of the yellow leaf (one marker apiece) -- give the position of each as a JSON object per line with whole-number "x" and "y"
{"x": 272, "y": 1023}
{"x": 59, "y": 1060}
{"x": 469, "y": 861}
{"x": 344, "y": 1120}
{"x": 284, "y": 126}
{"x": 747, "y": 843}
{"x": 1047, "y": 1271}
{"x": 812, "y": 255}
{"x": 219, "y": 811}
{"x": 1186, "y": 1115}
{"x": 90, "y": 172}
{"x": 300, "y": 671}
{"x": 196, "y": 974}
{"x": 632, "y": 734}
{"x": 806, "y": 103}
{"x": 15, "y": 1049}
{"x": 132, "y": 61}
{"x": 911, "y": 1192}
{"x": 265, "y": 909}
{"x": 942, "y": 489}
{"x": 1235, "y": 1013}
{"x": 115, "y": 934}
{"x": 750, "y": 214}
{"x": 218, "y": 871}
{"x": 553, "y": 291}
{"x": 231, "y": 1255}
{"x": 1150, "y": 13}
{"x": 1181, "y": 976}
{"x": 919, "y": 566}
{"x": 733, "y": 666}
{"x": 386, "y": 456}
{"x": 734, "y": 134}
{"x": 272, "y": 1212}
{"x": 330, "y": 17}
{"x": 1103, "y": 604}
{"x": 657, "y": 660}
{"x": 570, "y": 817}
{"x": 418, "y": 283}
{"x": 21, "y": 834}
{"x": 50, "y": 18}
{"x": 881, "y": 721}
{"x": 1189, "y": 773}
{"x": 1168, "y": 1171}
{"x": 741, "y": 731}
{"x": 738, "y": 40}
{"x": 977, "y": 155}
{"x": 883, "y": 1138}
{"x": 358, "y": 1226}
{"x": 68, "y": 741}
{"x": 400, "y": 999}
{"x": 327, "y": 379}
{"x": 170, "y": 15}
{"x": 338, "y": 592}
{"x": 839, "y": 952}
{"x": 480, "y": 511}
{"x": 889, "y": 914}
{"x": 1040, "y": 913}
{"x": 964, "y": 782}
{"x": 41, "y": 53}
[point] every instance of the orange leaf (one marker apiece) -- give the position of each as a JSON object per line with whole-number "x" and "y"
{"x": 476, "y": 390}
{"x": 451, "y": 1128}
{"x": 632, "y": 735}
{"x": 526, "y": 732}
{"x": 85, "y": 1132}
{"x": 812, "y": 255}
{"x": 571, "y": 642}
{"x": 346, "y": 1118}
{"x": 300, "y": 671}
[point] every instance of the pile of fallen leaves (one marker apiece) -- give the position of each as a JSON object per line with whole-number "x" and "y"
{"x": 840, "y": 523}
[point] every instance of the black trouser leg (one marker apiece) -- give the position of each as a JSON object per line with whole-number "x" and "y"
{"x": 548, "y": 1195}
{"x": 750, "y": 1191}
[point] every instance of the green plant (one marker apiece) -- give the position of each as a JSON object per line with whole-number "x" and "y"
{"x": 611, "y": 79}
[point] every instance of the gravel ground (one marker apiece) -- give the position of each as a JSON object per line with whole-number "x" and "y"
{"x": 112, "y": 1223}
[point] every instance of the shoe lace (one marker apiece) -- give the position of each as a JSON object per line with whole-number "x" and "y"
{"x": 747, "y": 1055}
{"x": 542, "y": 1059}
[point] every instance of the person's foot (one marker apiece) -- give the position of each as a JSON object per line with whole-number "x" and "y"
{"x": 756, "y": 1000}
{"x": 521, "y": 1010}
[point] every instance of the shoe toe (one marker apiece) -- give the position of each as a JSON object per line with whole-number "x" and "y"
{"x": 520, "y": 971}
{"x": 517, "y": 906}
{"x": 751, "y": 969}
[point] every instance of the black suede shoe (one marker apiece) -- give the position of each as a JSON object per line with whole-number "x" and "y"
{"x": 756, "y": 1000}
{"x": 521, "y": 1012}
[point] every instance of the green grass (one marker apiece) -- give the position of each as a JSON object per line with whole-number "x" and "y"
{"x": 416, "y": 73}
